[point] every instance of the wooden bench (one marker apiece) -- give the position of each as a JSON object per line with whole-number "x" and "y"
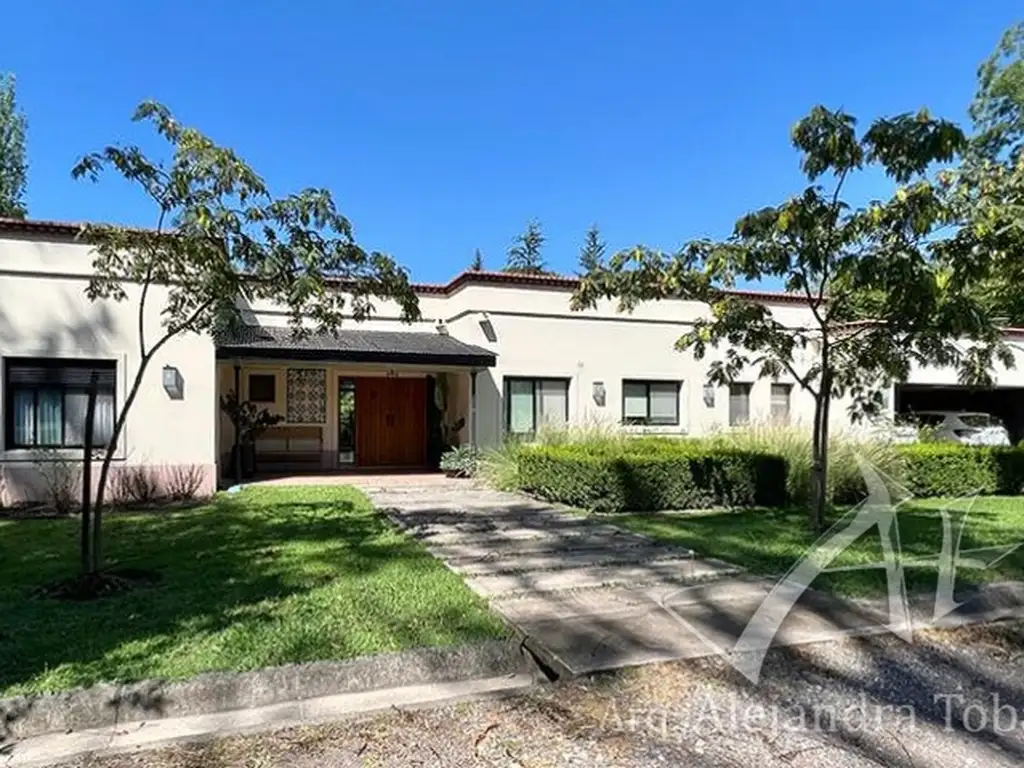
{"x": 290, "y": 443}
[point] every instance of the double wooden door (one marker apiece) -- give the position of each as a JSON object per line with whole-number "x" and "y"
{"x": 391, "y": 422}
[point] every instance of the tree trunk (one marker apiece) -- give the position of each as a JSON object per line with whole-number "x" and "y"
{"x": 821, "y": 431}
{"x": 90, "y": 413}
{"x": 108, "y": 457}
{"x": 818, "y": 459}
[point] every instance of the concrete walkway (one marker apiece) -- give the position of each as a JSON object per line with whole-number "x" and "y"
{"x": 587, "y": 596}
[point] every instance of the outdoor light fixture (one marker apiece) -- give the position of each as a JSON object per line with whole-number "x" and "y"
{"x": 709, "y": 396}
{"x": 488, "y": 328}
{"x": 599, "y": 393}
{"x": 174, "y": 384}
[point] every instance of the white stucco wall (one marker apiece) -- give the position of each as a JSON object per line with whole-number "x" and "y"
{"x": 44, "y": 312}
{"x": 538, "y": 335}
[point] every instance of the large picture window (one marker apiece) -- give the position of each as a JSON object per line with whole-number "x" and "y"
{"x": 650, "y": 402}
{"x": 46, "y": 402}
{"x": 531, "y": 403}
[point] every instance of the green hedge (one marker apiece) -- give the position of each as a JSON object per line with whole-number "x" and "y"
{"x": 652, "y": 474}
{"x": 947, "y": 469}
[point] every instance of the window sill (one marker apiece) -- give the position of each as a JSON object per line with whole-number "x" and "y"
{"x": 33, "y": 456}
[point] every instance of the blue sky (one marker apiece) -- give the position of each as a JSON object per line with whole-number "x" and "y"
{"x": 445, "y": 126}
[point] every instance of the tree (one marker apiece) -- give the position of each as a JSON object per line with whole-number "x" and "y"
{"x": 477, "y": 264}
{"x": 220, "y": 235}
{"x": 592, "y": 252}
{"x": 13, "y": 167}
{"x": 877, "y": 297}
{"x": 525, "y": 253}
{"x": 987, "y": 190}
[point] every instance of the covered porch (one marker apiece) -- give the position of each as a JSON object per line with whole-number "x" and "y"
{"x": 349, "y": 402}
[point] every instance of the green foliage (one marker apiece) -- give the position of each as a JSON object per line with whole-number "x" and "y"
{"x": 251, "y": 420}
{"x": 220, "y": 235}
{"x": 793, "y": 443}
{"x": 998, "y": 107}
{"x": 477, "y": 265}
{"x": 13, "y": 166}
{"x": 525, "y": 253}
{"x": 651, "y": 474}
{"x": 877, "y": 296}
{"x": 948, "y": 469}
{"x": 592, "y": 252}
{"x": 499, "y": 467}
{"x": 986, "y": 192}
{"x": 460, "y": 461}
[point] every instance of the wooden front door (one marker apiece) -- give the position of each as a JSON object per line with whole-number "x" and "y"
{"x": 391, "y": 426}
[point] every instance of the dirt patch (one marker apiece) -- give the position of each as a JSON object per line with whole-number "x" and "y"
{"x": 93, "y": 586}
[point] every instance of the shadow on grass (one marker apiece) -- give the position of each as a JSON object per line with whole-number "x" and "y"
{"x": 770, "y": 541}
{"x": 250, "y": 580}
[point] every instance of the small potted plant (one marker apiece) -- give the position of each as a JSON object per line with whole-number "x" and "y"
{"x": 251, "y": 421}
{"x": 460, "y": 461}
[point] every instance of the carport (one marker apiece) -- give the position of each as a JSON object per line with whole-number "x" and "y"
{"x": 1005, "y": 402}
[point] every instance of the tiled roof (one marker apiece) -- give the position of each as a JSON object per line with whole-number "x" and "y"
{"x": 468, "y": 277}
{"x": 353, "y": 346}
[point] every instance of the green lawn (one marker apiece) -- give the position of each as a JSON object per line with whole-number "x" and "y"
{"x": 770, "y": 541}
{"x": 260, "y": 578}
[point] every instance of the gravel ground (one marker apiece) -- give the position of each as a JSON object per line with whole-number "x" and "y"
{"x": 950, "y": 699}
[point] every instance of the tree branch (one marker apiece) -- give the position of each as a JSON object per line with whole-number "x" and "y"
{"x": 145, "y": 289}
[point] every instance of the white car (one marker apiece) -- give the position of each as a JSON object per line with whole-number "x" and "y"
{"x": 963, "y": 427}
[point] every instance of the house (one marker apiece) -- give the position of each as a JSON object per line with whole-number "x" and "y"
{"x": 495, "y": 354}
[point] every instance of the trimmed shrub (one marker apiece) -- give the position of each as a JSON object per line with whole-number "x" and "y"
{"x": 948, "y": 469}
{"x": 651, "y": 474}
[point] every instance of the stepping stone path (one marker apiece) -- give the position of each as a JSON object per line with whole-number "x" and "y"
{"x": 586, "y": 595}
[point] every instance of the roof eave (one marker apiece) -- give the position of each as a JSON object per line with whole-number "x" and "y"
{"x": 468, "y": 360}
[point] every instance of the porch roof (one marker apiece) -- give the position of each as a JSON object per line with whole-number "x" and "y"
{"x": 355, "y": 346}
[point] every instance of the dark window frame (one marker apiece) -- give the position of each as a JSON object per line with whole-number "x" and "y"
{"x": 273, "y": 387}
{"x": 534, "y": 381}
{"x": 646, "y": 420}
{"x": 56, "y": 363}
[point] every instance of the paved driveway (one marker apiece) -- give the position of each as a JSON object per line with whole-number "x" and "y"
{"x": 587, "y": 596}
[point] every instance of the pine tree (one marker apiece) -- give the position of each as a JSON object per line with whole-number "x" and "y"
{"x": 524, "y": 256}
{"x": 13, "y": 168}
{"x": 592, "y": 252}
{"x": 477, "y": 264}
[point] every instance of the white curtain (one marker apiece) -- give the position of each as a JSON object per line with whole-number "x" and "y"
{"x": 520, "y": 408}
{"x": 554, "y": 399}
{"x": 24, "y": 413}
{"x": 634, "y": 401}
{"x": 664, "y": 403}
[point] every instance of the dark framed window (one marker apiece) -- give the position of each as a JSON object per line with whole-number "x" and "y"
{"x": 263, "y": 387}
{"x": 46, "y": 401}
{"x": 650, "y": 402}
{"x": 531, "y": 403}
{"x": 739, "y": 404}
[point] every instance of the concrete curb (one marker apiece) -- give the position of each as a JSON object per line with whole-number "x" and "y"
{"x": 107, "y": 705}
{"x": 135, "y": 736}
